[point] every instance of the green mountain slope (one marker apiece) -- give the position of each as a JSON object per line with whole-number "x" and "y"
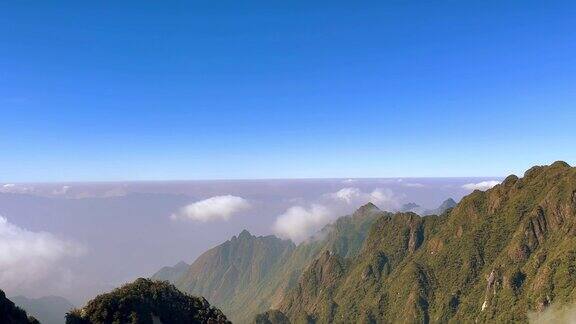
{"x": 146, "y": 301}
{"x": 247, "y": 274}
{"x": 48, "y": 310}
{"x": 493, "y": 258}
{"x": 229, "y": 275}
{"x": 12, "y": 314}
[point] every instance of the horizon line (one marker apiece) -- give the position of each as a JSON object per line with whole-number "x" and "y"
{"x": 244, "y": 179}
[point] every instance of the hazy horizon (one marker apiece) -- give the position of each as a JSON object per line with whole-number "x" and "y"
{"x": 102, "y": 224}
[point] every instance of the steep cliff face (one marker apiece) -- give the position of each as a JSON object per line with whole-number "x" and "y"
{"x": 230, "y": 274}
{"x": 495, "y": 256}
{"x": 316, "y": 287}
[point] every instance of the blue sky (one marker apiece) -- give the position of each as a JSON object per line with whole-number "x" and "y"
{"x": 134, "y": 90}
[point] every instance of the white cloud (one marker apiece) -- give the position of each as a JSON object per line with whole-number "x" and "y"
{"x": 62, "y": 191}
{"x": 554, "y": 314}
{"x": 484, "y": 185}
{"x": 414, "y": 185}
{"x": 299, "y": 222}
{"x": 27, "y": 257}
{"x": 14, "y": 188}
{"x": 347, "y": 195}
{"x": 214, "y": 208}
{"x": 349, "y": 181}
{"x": 384, "y": 198}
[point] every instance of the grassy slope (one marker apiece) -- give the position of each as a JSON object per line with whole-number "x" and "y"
{"x": 511, "y": 249}
{"x": 248, "y": 275}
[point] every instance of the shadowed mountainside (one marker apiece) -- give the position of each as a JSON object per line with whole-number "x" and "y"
{"x": 12, "y": 314}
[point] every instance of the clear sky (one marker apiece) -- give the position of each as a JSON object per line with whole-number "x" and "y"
{"x": 132, "y": 90}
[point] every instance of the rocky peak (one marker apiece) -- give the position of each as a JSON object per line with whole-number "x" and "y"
{"x": 510, "y": 181}
{"x": 560, "y": 164}
{"x": 366, "y": 209}
{"x": 547, "y": 170}
{"x": 448, "y": 203}
{"x": 245, "y": 235}
{"x": 409, "y": 207}
{"x": 181, "y": 265}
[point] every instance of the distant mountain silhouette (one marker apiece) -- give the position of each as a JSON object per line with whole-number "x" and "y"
{"x": 171, "y": 273}
{"x": 409, "y": 207}
{"x": 48, "y": 310}
{"x": 12, "y": 314}
{"x": 446, "y": 205}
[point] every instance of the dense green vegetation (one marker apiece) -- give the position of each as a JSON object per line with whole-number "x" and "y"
{"x": 146, "y": 301}
{"x": 493, "y": 258}
{"x": 247, "y": 274}
{"x": 11, "y": 314}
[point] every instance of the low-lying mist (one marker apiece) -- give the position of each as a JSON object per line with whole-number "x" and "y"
{"x": 92, "y": 237}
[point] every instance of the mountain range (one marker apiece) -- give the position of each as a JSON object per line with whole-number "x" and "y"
{"x": 507, "y": 254}
{"x": 248, "y": 274}
{"x": 497, "y": 255}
